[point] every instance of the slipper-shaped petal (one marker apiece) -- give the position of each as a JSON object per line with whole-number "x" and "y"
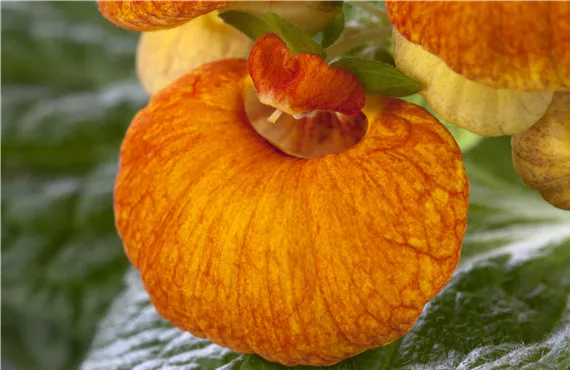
{"x": 300, "y": 261}
{"x": 478, "y": 108}
{"x": 522, "y": 45}
{"x": 147, "y": 15}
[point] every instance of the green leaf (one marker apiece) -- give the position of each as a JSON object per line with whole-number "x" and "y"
{"x": 334, "y": 29}
{"x": 252, "y": 26}
{"x": 58, "y": 52}
{"x": 69, "y": 92}
{"x": 507, "y": 305}
{"x": 297, "y": 41}
{"x": 379, "y": 78}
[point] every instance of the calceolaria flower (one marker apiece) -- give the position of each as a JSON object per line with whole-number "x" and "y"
{"x": 275, "y": 205}
{"x": 496, "y": 68}
{"x": 165, "y": 55}
{"x": 541, "y": 154}
{"x": 178, "y": 36}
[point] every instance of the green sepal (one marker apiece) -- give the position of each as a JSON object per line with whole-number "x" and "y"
{"x": 379, "y": 78}
{"x": 252, "y": 26}
{"x": 297, "y": 41}
{"x": 334, "y": 29}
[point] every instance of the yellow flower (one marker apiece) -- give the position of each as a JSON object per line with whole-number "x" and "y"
{"x": 163, "y": 56}
{"x": 178, "y": 36}
{"x": 495, "y": 68}
{"x": 303, "y": 261}
{"x": 489, "y": 67}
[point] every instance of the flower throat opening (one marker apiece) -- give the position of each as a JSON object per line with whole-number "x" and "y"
{"x": 313, "y": 135}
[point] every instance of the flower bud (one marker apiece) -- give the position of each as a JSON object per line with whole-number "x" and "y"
{"x": 541, "y": 154}
{"x": 475, "y": 107}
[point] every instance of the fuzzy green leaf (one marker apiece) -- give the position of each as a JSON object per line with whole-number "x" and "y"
{"x": 379, "y": 78}
{"x": 297, "y": 41}
{"x": 334, "y": 29}
{"x": 252, "y": 26}
{"x": 506, "y": 306}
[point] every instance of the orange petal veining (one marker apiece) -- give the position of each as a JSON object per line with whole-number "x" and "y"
{"x": 155, "y": 15}
{"x": 481, "y": 109}
{"x": 303, "y": 82}
{"x": 521, "y": 45}
{"x": 300, "y": 261}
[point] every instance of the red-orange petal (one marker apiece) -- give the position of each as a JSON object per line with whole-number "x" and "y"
{"x": 301, "y": 261}
{"x": 301, "y": 83}
{"x": 155, "y": 15}
{"x": 503, "y": 44}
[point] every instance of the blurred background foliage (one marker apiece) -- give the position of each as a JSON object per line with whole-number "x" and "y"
{"x": 69, "y": 91}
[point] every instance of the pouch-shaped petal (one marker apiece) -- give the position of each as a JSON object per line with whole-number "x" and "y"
{"x": 478, "y": 108}
{"x": 541, "y": 154}
{"x": 147, "y": 15}
{"x": 301, "y": 261}
{"x": 155, "y": 15}
{"x": 522, "y": 45}
{"x": 163, "y": 56}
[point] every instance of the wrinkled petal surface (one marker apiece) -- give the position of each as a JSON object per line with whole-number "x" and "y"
{"x": 503, "y": 44}
{"x": 155, "y": 15}
{"x": 541, "y": 155}
{"x": 163, "y": 56}
{"x": 311, "y": 16}
{"x": 301, "y": 83}
{"x": 478, "y": 108}
{"x": 301, "y": 261}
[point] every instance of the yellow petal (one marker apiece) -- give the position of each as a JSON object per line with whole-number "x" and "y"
{"x": 163, "y": 56}
{"x": 475, "y": 107}
{"x": 300, "y": 261}
{"x": 522, "y": 45}
{"x": 541, "y": 155}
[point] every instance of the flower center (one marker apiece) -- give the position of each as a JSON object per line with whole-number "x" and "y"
{"x": 300, "y": 104}
{"x": 311, "y": 135}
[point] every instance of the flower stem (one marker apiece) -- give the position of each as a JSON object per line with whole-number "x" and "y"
{"x": 364, "y": 37}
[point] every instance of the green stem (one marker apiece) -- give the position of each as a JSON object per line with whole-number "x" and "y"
{"x": 351, "y": 42}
